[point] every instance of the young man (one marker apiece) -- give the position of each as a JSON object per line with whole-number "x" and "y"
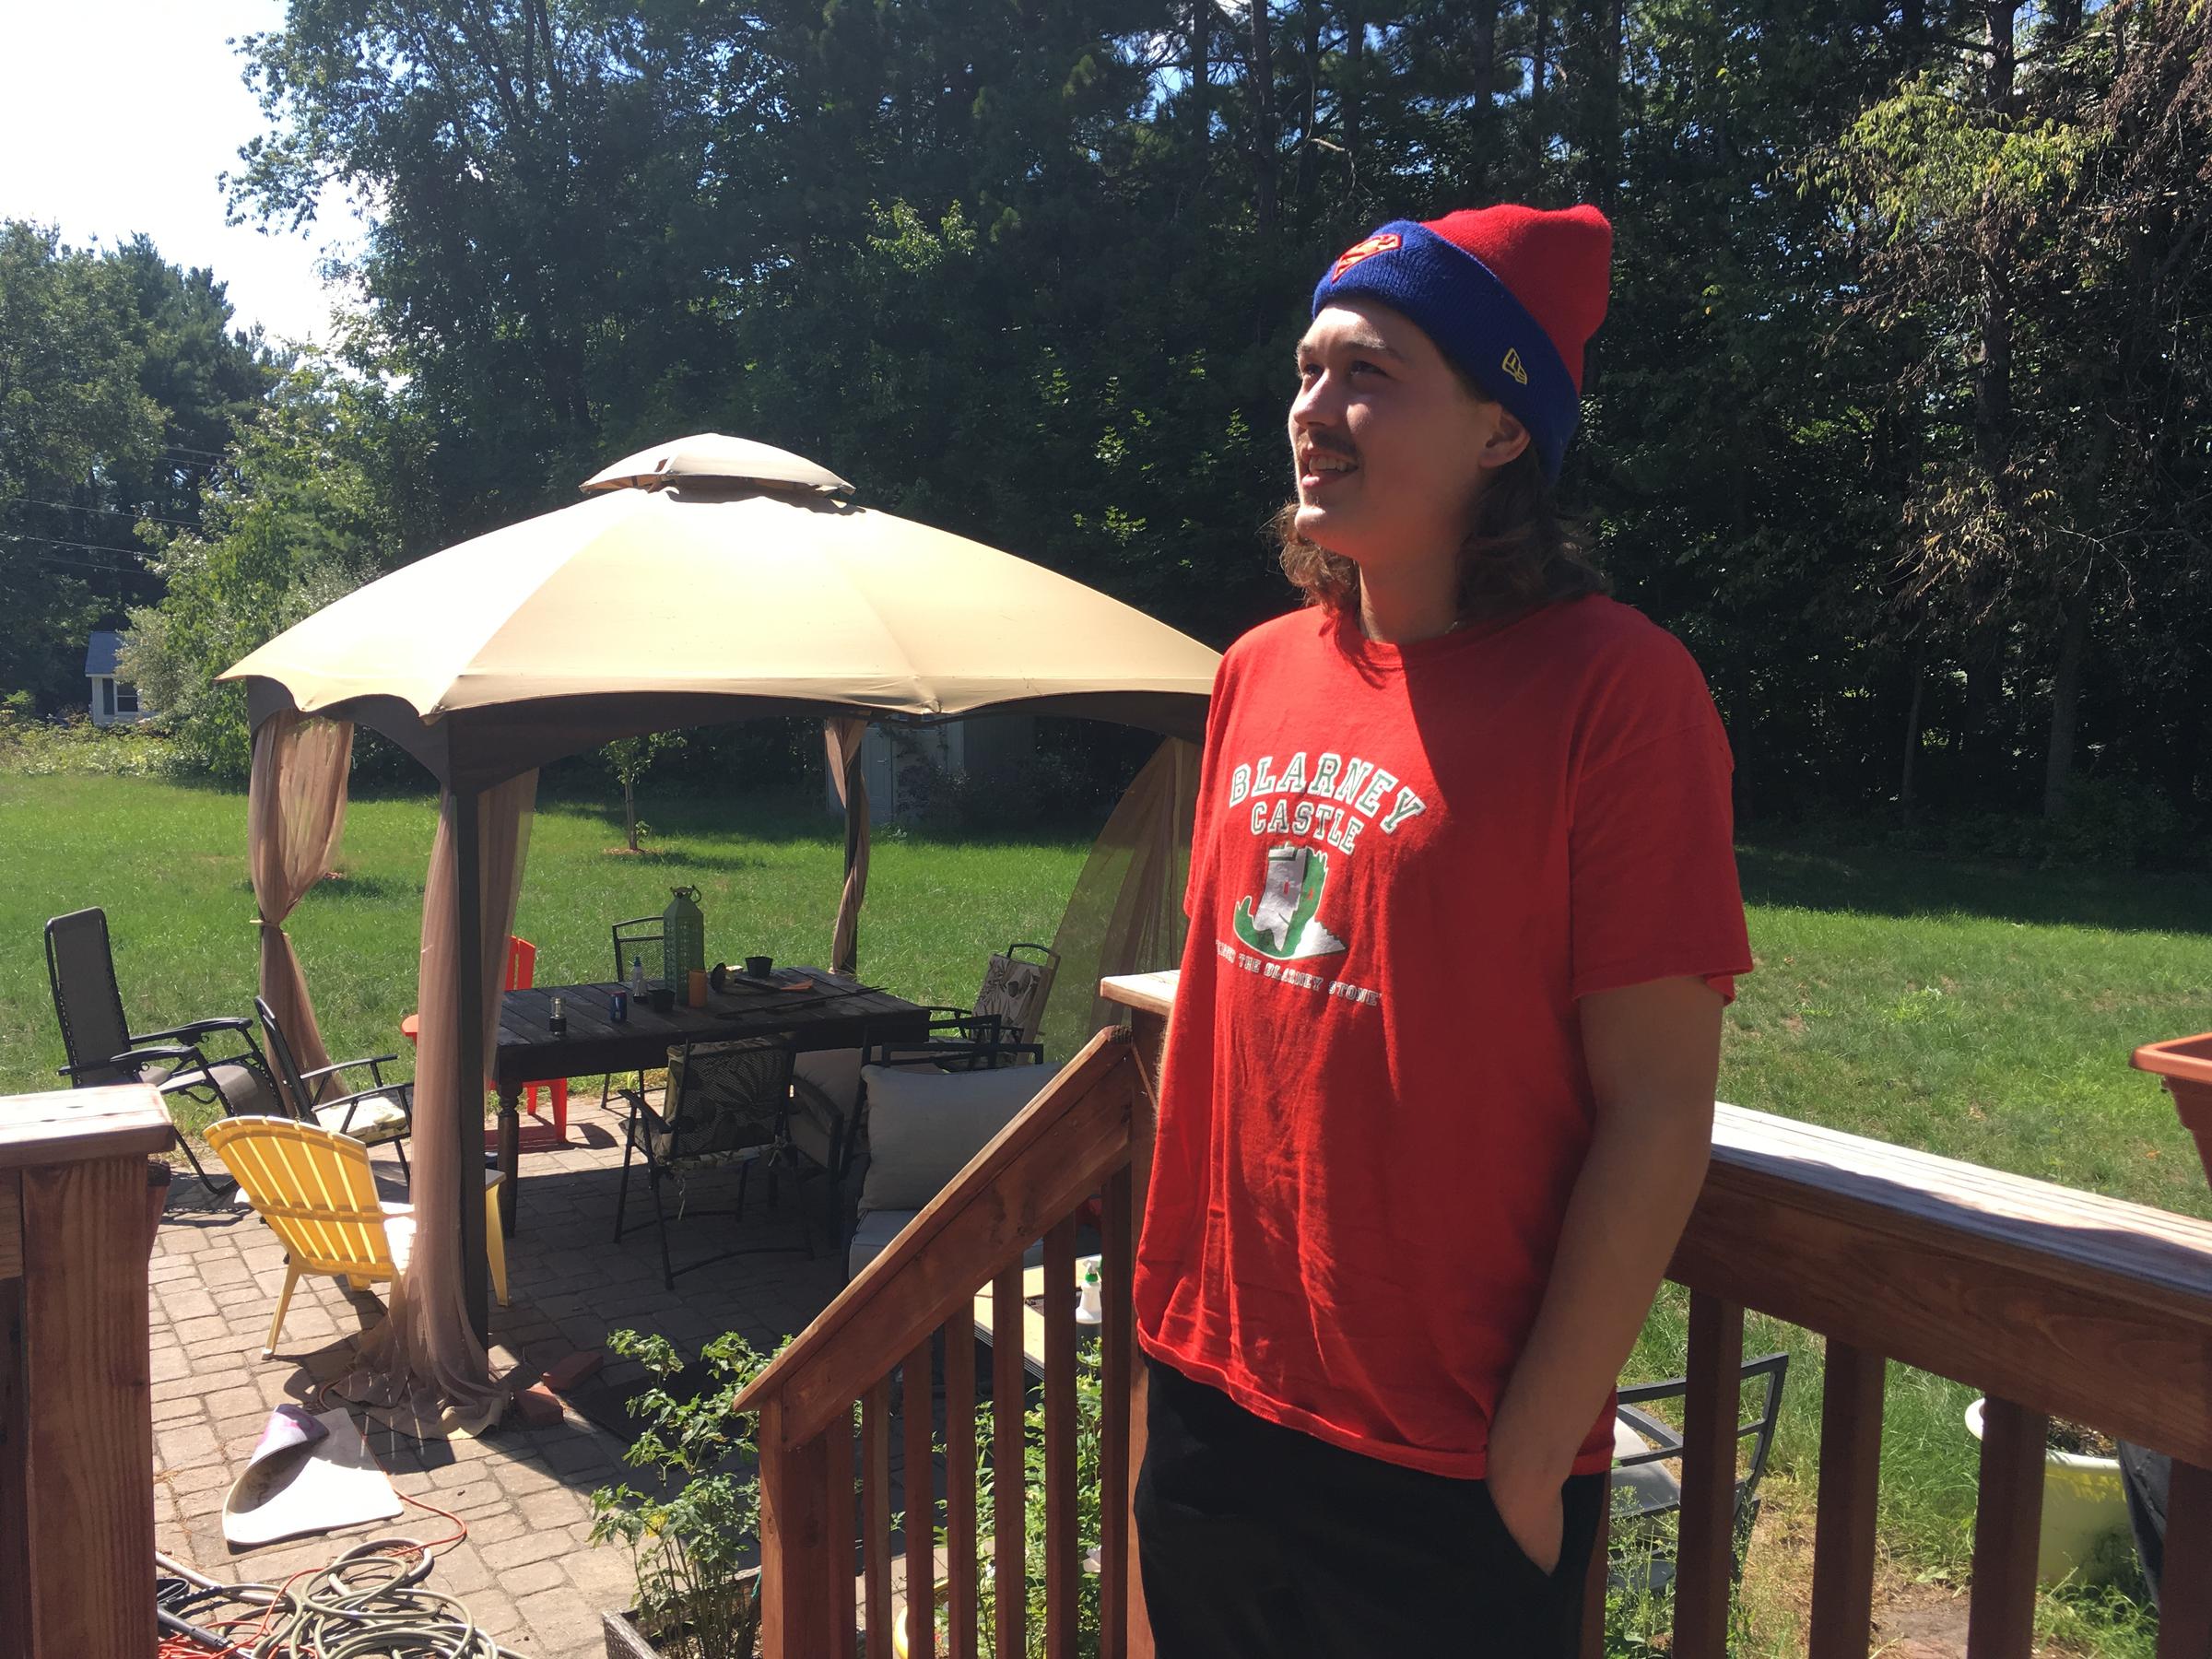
{"x": 1436, "y": 1095}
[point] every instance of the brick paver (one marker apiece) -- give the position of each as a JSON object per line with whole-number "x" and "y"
{"x": 526, "y": 1570}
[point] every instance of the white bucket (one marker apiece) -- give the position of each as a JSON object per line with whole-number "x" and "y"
{"x": 2083, "y": 1502}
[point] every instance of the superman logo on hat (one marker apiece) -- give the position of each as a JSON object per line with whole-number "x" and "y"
{"x": 1382, "y": 243}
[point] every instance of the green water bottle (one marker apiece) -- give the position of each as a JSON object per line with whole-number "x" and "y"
{"x": 683, "y": 940}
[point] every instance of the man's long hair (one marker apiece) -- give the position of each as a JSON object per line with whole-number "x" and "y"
{"x": 1519, "y": 554}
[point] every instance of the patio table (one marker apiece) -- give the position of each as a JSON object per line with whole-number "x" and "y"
{"x": 815, "y": 1009}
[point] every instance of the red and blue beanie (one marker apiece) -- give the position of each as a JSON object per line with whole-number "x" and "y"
{"x": 1509, "y": 294}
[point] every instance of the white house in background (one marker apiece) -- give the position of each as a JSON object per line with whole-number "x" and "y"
{"x": 114, "y": 701}
{"x": 894, "y": 756}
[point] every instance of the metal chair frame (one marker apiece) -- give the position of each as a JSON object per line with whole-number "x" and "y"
{"x": 1666, "y": 1444}
{"x": 190, "y": 1073}
{"x": 645, "y": 930}
{"x": 752, "y": 1128}
{"x": 300, "y": 1086}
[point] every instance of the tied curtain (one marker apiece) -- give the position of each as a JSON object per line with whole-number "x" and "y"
{"x": 842, "y": 738}
{"x": 423, "y": 1369}
{"x": 295, "y": 815}
{"x": 1125, "y": 914}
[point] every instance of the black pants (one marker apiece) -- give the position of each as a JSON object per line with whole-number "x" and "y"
{"x": 1256, "y": 1540}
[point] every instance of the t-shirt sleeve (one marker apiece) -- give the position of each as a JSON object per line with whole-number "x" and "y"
{"x": 1653, "y": 890}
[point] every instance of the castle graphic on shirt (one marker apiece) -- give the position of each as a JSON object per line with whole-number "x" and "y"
{"x": 1283, "y": 924}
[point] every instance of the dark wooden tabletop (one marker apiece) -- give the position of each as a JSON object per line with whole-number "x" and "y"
{"x": 819, "y": 1010}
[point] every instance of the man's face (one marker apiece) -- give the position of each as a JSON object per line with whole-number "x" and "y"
{"x": 1389, "y": 446}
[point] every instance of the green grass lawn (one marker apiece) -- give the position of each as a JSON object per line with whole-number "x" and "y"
{"x": 1982, "y": 1013}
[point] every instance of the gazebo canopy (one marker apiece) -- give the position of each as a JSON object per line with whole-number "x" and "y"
{"x": 708, "y": 580}
{"x": 712, "y": 579}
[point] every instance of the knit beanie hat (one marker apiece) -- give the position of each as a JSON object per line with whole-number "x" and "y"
{"x": 1509, "y": 294}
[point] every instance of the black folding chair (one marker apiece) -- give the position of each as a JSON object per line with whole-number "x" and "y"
{"x": 1009, "y": 1006}
{"x": 640, "y": 936}
{"x": 1640, "y": 1564}
{"x": 381, "y": 1114}
{"x": 102, "y": 1049}
{"x": 726, "y": 1103}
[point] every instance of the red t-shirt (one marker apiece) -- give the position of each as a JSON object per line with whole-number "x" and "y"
{"x": 1408, "y": 861}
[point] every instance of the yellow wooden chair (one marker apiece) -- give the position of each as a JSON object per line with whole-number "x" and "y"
{"x": 314, "y": 1190}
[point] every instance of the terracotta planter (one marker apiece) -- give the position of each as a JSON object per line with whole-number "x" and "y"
{"x": 2083, "y": 1501}
{"x": 2185, "y": 1065}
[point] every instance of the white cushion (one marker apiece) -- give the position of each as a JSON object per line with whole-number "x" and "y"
{"x": 835, "y": 1072}
{"x": 925, "y": 1127}
{"x": 874, "y": 1235}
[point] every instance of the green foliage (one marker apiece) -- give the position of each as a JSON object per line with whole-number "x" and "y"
{"x": 120, "y": 386}
{"x": 31, "y": 747}
{"x": 689, "y": 1540}
{"x": 1089, "y": 1415}
{"x": 629, "y": 758}
{"x": 1900, "y": 415}
{"x": 319, "y": 496}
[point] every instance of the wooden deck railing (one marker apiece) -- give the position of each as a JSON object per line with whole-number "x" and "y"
{"x": 76, "y": 1452}
{"x": 2047, "y": 1299}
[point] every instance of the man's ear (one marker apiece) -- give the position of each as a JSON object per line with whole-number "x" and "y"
{"x": 1508, "y": 438}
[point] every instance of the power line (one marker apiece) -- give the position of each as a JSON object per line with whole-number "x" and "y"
{"x": 80, "y": 564}
{"x": 117, "y": 512}
{"x": 53, "y": 541}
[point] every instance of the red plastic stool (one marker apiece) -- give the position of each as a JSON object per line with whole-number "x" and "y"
{"x": 522, "y": 967}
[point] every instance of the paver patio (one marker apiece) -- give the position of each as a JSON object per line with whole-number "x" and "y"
{"x": 527, "y": 1571}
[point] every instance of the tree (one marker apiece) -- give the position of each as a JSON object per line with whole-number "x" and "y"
{"x": 320, "y": 492}
{"x": 629, "y": 758}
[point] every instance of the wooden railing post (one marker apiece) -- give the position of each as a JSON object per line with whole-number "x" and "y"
{"x": 76, "y": 1440}
{"x": 1705, "y": 1554}
{"x": 801, "y": 1574}
{"x": 1850, "y": 1466}
{"x": 2008, "y": 1514}
{"x": 1148, "y": 1027}
{"x": 2185, "y": 1578}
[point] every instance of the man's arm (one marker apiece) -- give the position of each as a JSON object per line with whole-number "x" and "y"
{"x": 1654, "y": 1055}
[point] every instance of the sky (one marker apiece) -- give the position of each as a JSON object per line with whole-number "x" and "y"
{"x": 117, "y": 116}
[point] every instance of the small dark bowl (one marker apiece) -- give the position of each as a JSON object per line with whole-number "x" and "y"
{"x": 759, "y": 967}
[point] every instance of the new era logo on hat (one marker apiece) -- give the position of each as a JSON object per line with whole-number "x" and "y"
{"x": 1511, "y": 294}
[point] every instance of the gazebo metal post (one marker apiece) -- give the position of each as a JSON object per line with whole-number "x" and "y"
{"x": 469, "y": 935}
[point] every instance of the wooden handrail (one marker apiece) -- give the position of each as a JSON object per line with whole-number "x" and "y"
{"x": 2049, "y": 1300}
{"x": 2077, "y": 1305}
{"x": 1059, "y": 1148}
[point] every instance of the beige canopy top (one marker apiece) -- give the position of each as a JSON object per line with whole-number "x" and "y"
{"x": 712, "y": 578}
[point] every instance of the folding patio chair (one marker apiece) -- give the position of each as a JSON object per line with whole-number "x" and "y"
{"x": 1009, "y": 1006}
{"x": 1652, "y": 1491}
{"x": 726, "y": 1103}
{"x": 635, "y": 937}
{"x": 381, "y": 1114}
{"x": 102, "y": 1049}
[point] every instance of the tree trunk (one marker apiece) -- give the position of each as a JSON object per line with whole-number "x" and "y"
{"x": 1308, "y": 152}
{"x": 630, "y": 812}
{"x": 1263, "y": 124}
{"x": 1355, "y": 71}
{"x": 1202, "y": 52}
{"x": 1540, "y": 19}
{"x": 1907, "y": 802}
{"x": 2066, "y": 705}
{"x": 1482, "y": 40}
